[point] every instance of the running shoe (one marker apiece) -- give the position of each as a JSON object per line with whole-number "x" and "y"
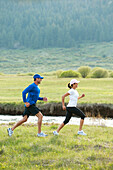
{"x": 81, "y": 133}
{"x": 55, "y": 133}
{"x": 10, "y": 132}
{"x": 41, "y": 134}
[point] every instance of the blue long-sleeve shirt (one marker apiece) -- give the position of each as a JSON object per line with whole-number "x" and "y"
{"x": 33, "y": 94}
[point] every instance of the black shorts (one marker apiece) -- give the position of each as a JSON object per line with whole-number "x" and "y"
{"x": 31, "y": 110}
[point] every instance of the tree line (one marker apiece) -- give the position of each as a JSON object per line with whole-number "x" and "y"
{"x": 54, "y": 23}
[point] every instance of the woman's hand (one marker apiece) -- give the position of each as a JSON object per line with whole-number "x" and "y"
{"x": 27, "y": 104}
{"x": 64, "y": 107}
{"x": 83, "y": 95}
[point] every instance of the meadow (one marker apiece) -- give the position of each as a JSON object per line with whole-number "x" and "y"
{"x": 13, "y": 61}
{"x": 95, "y": 90}
{"x": 24, "y": 150}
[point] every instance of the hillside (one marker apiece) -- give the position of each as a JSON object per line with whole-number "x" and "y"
{"x": 40, "y": 24}
{"x": 51, "y": 59}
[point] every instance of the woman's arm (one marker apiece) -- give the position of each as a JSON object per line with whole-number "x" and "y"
{"x": 63, "y": 98}
{"x": 83, "y": 95}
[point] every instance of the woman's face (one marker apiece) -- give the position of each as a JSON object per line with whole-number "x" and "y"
{"x": 75, "y": 85}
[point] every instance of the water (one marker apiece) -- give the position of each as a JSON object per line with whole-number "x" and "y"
{"x": 54, "y": 119}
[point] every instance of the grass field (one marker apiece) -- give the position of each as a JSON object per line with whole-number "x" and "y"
{"x": 96, "y": 90}
{"x": 52, "y": 59}
{"x": 24, "y": 150}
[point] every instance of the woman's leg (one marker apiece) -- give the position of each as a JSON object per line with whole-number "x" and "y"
{"x": 79, "y": 113}
{"x": 60, "y": 127}
{"x": 81, "y": 124}
{"x": 68, "y": 117}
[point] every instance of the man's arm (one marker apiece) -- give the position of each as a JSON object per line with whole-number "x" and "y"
{"x": 42, "y": 98}
{"x": 29, "y": 88}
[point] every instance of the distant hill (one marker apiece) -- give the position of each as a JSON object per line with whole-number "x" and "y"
{"x": 41, "y": 24}
{"x": 51, "y": 59}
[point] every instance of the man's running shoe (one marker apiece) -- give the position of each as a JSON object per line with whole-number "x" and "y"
{"x": 55, "y": 133}
{"x": 10, "y": 132}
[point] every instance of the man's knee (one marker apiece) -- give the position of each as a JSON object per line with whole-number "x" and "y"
{"x": 39, "y": 115}
{"x": 25, "y": 119}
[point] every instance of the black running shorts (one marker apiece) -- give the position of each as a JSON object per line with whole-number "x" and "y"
{"x": 31, "y": 110}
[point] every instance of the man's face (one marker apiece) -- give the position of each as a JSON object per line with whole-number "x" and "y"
{"x": 38, "y": 80}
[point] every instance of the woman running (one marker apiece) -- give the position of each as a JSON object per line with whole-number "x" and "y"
{"x": 71, "y": 107}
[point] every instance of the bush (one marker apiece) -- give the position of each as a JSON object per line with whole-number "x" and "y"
{"x": 99, "y": 73}
{"x": 30, "y": 74}
{"x": 84, "y": 71}
{"x": 52, "y": 73}
{"x": 58, "y": 73}
{"x": 69, "y": 73}
{"x": 111, "y": 74}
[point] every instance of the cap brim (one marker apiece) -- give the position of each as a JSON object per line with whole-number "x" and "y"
{"x": 42, "y": 77}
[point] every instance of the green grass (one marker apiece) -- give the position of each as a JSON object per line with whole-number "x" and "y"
{"x": 52, "y": 59}
{"x": 24, "y": 150}
{"x": 96, "y": 90}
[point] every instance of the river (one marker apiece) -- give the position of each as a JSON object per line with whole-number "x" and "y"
{"x": 54, "y": 119}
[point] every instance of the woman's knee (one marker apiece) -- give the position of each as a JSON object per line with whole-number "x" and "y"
{"x": 66, "y": 121}
{"x": 83, "y": 116}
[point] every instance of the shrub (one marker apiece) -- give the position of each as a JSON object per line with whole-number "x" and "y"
{"x": 84, "y": 71}
{"x": 30, "y": 74}
{"x": 58, "y": 73}
{"x": 99, "y": 73}
{"x": 111, "y": 74}
{"x": 69, "y": 73}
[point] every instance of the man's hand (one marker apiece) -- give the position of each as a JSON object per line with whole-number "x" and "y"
{"x": 45, "y": 99}
{"x": 27, "y": 104}
{"x": 64, "y": 107}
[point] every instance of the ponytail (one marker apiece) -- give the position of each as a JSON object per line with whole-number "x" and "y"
{"x": 69, "y": 86}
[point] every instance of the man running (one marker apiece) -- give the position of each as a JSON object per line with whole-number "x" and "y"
{"x": 30, "y": 105}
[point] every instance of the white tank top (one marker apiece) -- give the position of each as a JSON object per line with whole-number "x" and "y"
{"x": 73, "y": 98}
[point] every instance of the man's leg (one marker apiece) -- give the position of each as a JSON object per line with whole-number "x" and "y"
{"x": 20, "y": 122}
{"x": 40, "y": 117}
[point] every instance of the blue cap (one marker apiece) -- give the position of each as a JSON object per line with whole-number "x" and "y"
{"x": 37, "y": 76}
